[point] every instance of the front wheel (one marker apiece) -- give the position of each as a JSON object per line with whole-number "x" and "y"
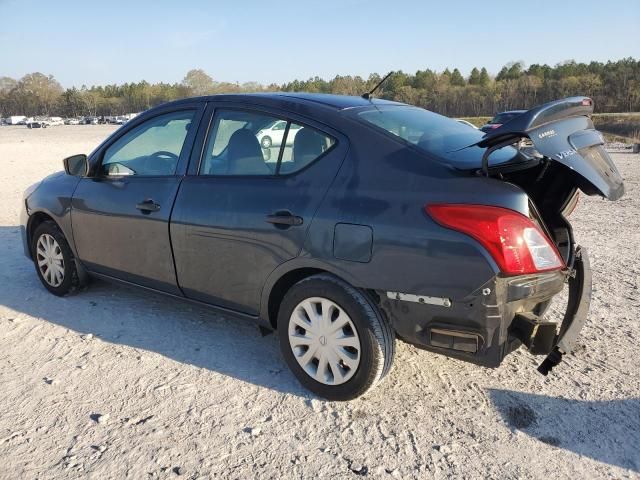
{"x": 334, "y": 338}
{"x": 54, "y": 260}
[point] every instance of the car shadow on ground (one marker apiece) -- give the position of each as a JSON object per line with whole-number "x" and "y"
{"x": 176, "y": 329}
{"x": 606, "y": 431}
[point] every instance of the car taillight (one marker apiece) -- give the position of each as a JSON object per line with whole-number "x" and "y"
{"x": 516, "y": 244}
{"x": 495, "y": 125}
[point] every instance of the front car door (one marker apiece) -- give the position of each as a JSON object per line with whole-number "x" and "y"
{"x": 120, "y": 214}
{"x": 246, "y": 209}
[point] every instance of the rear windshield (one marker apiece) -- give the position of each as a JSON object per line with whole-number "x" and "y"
{"x": 435, "y": 134}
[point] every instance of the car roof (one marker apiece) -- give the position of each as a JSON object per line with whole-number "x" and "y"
{"x": 338, "y": 102}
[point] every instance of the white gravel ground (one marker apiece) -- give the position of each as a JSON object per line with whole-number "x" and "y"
{"x": 118, "y": 383}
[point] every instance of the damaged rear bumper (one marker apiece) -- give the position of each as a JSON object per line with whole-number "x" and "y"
{"x": 580, "y": 284}
{"x": 499, "y": 317}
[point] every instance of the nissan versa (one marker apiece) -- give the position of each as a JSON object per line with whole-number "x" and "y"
{"x": 378, "y": 220}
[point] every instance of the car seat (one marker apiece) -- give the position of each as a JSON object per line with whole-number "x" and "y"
{"x": 307, "y": 146}
{"x": 244, "y": 155}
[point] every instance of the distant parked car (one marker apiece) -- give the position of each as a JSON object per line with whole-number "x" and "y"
{"x": 350, "y": 237}
{"x": 272, "y": 135}
{"x": 89, "y": 121}
{"x": 500, "y": 119}
{"x": 38, "y": 122}
{"x": 72, "y": 121}
{"x": 55, "y": 121}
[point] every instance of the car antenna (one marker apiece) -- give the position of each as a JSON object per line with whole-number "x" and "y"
{"x": 369, "y": 95}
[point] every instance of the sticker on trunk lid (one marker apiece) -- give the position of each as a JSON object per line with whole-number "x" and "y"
{"x": 547, "y": 134}
{"x": 565, "y": 154}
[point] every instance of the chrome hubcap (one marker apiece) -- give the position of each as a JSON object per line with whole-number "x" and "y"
{"x": 324, "y": 341}
{"x": 50, "y": 260}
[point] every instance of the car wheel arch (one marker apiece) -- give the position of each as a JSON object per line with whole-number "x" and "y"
{"x": 36, "y": 219}
{"x": 284, "y": 277}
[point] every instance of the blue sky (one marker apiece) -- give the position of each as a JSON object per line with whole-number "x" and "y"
{"x": 100, "y": 42}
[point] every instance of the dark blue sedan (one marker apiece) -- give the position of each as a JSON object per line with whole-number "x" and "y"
{"x": 369, "y": 221}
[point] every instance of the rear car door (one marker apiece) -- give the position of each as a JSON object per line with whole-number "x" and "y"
{"x": 245, "y": 209}
{"x": 120, "y": 214}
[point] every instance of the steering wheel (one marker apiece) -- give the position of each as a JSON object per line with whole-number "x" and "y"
{"x": 162, "y": 162}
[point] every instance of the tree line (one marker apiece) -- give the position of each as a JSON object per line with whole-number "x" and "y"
{"x": 614, "y": 86}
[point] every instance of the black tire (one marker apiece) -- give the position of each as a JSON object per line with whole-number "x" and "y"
{"x": 70, "y": 281}
{"x": 377, "y": 338}
{"x": 266, "y": 142}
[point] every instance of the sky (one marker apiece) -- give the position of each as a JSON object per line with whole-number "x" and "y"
{"x": 103, "y": 42}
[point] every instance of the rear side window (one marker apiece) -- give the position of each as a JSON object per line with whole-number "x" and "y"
{"x": 256, "y": 144}
{"x": 303, "y": 146}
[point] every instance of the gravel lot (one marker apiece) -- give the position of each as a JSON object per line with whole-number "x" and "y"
{"x": 118, "y": 383}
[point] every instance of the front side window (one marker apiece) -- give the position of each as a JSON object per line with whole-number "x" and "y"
{"x": 255, "y": 144}
{"x": 152, "y": 148}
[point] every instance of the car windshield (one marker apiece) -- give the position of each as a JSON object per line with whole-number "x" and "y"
{"x": 435, "y": 134}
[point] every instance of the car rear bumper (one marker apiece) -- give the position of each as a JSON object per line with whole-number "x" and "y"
{"x": 499, "y": 317}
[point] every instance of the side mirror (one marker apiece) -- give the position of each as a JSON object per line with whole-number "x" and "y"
{"x": 76, "y": 165}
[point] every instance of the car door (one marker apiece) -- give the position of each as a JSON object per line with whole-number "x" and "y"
{"x": 245, "y": 209}
{"x": 120, "y": 214}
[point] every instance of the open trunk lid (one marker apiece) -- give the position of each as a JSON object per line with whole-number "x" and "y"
{"x": 561, "y": 131}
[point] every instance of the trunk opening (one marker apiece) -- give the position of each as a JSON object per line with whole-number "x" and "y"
{"x": 552, "y": 191}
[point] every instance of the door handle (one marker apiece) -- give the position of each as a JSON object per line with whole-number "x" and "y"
{"x": 148, "y": 206}
{"x": 284, "y": 219}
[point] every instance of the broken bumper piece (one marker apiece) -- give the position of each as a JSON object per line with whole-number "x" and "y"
{"x": 576, "y": 313}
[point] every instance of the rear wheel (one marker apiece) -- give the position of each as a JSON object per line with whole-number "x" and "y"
{"x": 54, "y": 260}
{"x": 334, "y": 338}
{"x": 266, "y": 141}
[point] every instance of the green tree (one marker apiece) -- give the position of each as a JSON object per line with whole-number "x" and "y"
{"x": 36, "y": 93}
{"x": 457, "y": 80}
{"x": 474, "y": 77}
{"x": 198, "y": 82}
{"x": 614, "y": 86}
{"x": 484, "y": 78}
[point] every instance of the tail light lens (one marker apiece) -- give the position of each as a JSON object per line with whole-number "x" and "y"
{"x": 516, "y": 244}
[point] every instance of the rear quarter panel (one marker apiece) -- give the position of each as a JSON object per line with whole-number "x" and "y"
{"x": 385, "y": 185}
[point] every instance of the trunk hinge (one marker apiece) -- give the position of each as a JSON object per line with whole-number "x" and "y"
{"x": 493, "y": 148}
